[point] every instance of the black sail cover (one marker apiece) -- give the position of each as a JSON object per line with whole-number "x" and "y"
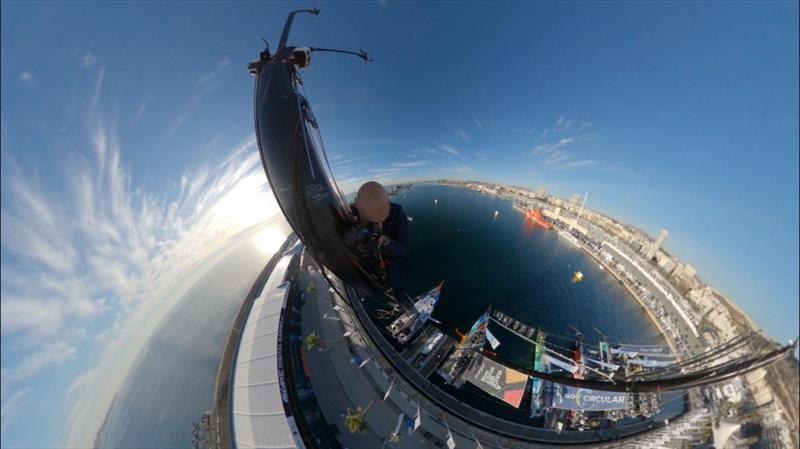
{"x": 300, "y": 179}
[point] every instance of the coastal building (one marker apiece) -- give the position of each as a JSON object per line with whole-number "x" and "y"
{"x": 657, "y": 244}
{"x": 541, "y": 192}
{"x": 574, "y": 200}
{"x": 666, "y": 264}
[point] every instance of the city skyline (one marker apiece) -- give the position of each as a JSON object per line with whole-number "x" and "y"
{"x": 130, "y": 159}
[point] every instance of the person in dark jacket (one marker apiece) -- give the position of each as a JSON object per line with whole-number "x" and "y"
{"x": 390, "y": 227}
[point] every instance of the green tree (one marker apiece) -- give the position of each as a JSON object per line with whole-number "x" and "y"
{"x": 355, "y": 418}
{"x": 313, "y": 340}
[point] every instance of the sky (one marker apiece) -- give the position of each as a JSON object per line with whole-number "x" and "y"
{"x": 129, "y": 160}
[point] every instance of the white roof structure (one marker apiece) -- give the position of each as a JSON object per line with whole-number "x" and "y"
{"x": 259, "y": 419}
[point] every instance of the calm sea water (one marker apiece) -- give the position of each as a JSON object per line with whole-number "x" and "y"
{"x": 522, "y": 270}
{"x": 525, "y": 272}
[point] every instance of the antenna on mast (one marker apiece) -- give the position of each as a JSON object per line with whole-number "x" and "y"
{"x": 586, "y": 195}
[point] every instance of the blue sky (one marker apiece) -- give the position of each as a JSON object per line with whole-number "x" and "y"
{"x": 128, "y": 157}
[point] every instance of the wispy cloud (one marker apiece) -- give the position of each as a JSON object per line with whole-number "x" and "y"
{"x": 379, "y": 141}
{"x": 140, "y": 110}
{"x": 84, "y": 57}
{"x": 27, "y": 78}
{"x": 101, "y": 243}
{"x": 553, "y": 151}
{"x": 88, "y": 59}
{"x": 417, "y": 163}
{"x": 9, "y": 409}
{"x": 190, "y": 106}
{"x": 460, "y": 132}
{"x": 577, "y": 164}
{"x": 210, "y": 76}
{"x": 477, "y": 123}
{"x": 51, "y": 354}
{"x": 563, "y": 124}
{"x": 447, "y": 149}
{"x": 555, "y": 157}
{"x": 549, "y": 148}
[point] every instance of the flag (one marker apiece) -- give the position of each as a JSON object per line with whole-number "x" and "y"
{"x": 451, "y": 443}
{"x": 492, "y": 339}
{"x": 399, "y": 423}
{"x": 388, "y": 390}
{"x": 417, "y": 418}
{"x": 409, "y": 424}
{"x": 566, "y": 366}
{"x": 364, "y": 362}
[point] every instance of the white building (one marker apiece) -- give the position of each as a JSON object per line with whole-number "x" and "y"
{"x": 657, "y": 244}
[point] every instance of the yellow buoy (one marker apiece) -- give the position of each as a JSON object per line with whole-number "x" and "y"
{"x": 577, "y": 276}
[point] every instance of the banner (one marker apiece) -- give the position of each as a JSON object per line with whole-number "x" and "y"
{"x": 646, "y": 349}
{"x": 573, "y": 398}
{"x": 651, "y": 363}
{"x": 492, "y": 339}
{"x": 499, "y": 381}
{"x": 566, "y": 366}
{"x": 609, "y": 366}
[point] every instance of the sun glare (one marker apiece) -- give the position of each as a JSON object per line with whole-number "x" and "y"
{"x": 269, "y": 240}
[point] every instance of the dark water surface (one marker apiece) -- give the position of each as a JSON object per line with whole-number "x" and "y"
{"x": 524, "y": 271}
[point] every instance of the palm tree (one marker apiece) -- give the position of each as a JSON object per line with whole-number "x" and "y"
{"x": 355, "y": 418}
{"x": 313, "y": 340}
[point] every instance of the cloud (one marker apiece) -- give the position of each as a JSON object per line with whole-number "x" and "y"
{"x": 385, "y": 170}
{"x": 207, "y": 83}
{"x": 576, "y": 164}
{"x": 477, "y": 123}
{"x": 210, "y": 76}
{"x": 100, "y": 243}
{"x": 563, "y": 124}
{"x": 462, "y": 134}
{"x": 190, "y": 106}
{"x": 553, "y": 154}
{"x": 10, "y": 407}
{"x": 27, "y": 78}
{"x": 456, "y": 170}
{"x": 88, "y": 59}
{"x": 140, "y": 110}
{"x": 379, "y": 141}
{"x": 84, "y": 57}
{"x": 555, "y": 157}
{"x": 548, "y": 148}
{"x": 418, "y": 163}
{"x": 53, "y": 353}
{"x": 447, "y": 149}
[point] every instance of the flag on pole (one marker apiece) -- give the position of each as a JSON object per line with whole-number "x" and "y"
{"x": 364, "y": 362}
{"x": 417, "y": 418}
{"x": 492, "y": 339}
{"x": 409, "y": 424}
{"x": 388, "y": 390}
{"x": 451, "y": 443}
{"x": 396, "y": 434}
